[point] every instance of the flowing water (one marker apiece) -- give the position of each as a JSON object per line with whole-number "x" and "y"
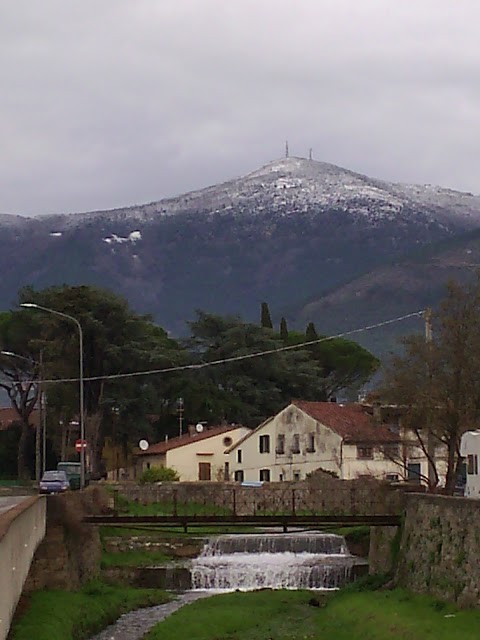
{"x": 280, "y": 561}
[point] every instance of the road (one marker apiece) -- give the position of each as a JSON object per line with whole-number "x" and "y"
{"x": 8, "y": 502}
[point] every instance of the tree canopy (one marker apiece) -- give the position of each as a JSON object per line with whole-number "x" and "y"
{"x": 122, "y": 406}
{"x": 437, "y": 381}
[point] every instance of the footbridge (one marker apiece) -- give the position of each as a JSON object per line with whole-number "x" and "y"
{"x": 222, "y": 505}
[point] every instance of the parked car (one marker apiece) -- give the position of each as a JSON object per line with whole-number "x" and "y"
{"x": 54, "y": 482}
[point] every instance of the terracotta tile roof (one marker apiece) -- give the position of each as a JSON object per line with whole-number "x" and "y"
{"x": 350, "y": 421}
{"x": 186, "y": 438}
{"x": 8, "y": 415}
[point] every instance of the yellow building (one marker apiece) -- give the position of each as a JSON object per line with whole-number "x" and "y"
{"x": 196, "y": 455}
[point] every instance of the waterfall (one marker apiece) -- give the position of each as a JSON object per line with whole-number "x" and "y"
{"x": 279, "y": 561}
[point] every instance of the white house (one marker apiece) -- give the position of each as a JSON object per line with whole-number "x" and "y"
{"x": 306, "y": 436}
{"x": 196, "y": 455}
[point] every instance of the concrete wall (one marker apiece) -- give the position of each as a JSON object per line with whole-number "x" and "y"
{"x": 440, "y": 548}
{"x": 22, "y": 528}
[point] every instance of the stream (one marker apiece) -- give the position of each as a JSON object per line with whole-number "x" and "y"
{"x": 310, "y": 560}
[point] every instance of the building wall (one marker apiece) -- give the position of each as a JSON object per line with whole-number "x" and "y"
{"x": 380, "y": 466}
{"x": 185, "y": 460}
{"x": 288, "y": 465}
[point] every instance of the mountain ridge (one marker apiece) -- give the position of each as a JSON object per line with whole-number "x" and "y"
{"x": 288, "y": 232}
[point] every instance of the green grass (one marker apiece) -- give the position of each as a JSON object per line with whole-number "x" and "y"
{"x": 169, "y": 532}
{"x": 131, "y": 508}
{"x": 290, "y": 615}
{"x": 62, "y": 615}
{"x": 134, "y": 558}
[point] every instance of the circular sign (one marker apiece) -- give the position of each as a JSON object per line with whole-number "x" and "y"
{"x": 143, "y": 444}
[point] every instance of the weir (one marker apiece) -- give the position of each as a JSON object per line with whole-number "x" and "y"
{"x": 311, "y": 560}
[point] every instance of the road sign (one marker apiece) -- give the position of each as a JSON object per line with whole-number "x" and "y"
{"x": 80, "y": 444}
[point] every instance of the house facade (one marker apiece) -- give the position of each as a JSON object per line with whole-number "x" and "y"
{"x": 306, "y": 436}
{"x": 196, "y": 455}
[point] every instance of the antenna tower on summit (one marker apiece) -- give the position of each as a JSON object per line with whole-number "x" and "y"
{"x": 310, "y": 154}
{"x": 286, "y": 149}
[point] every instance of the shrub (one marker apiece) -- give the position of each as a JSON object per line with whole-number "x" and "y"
{"x": 158, "y": 474}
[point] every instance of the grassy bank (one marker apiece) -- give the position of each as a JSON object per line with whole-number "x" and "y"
{"x": 301, "y": 615}
{"x": 133, "y": 558}
{"x": 62, "y": 615}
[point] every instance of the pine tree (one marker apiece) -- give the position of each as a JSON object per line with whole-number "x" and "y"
{"x": 266, "y": 320}
{"x": 283, "y": 330}
{"x": 311, "y": 332}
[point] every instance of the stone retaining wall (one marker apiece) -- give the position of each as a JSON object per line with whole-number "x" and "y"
{"x": 440, "y": 548}
{"x": 319, "y": 494}
{"x": 70, "y": 554}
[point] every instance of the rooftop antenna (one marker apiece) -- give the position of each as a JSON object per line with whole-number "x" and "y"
{"x": 286, "y": 149}
{"x": 310, "y": 153}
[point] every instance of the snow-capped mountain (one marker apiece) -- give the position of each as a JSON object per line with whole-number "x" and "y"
{"x": 289, "y": 231}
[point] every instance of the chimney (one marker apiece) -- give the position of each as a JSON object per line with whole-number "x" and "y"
{"x": 377, "y": 412}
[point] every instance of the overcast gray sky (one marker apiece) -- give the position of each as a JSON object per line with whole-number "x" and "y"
{"x": 107, "y": 103}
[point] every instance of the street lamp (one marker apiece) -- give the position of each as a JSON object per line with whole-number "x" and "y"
{"x": 42, "y": 424}
{"x": 32, "y": 305}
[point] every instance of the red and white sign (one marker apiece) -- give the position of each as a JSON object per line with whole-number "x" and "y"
{"x": 80, "y": 444}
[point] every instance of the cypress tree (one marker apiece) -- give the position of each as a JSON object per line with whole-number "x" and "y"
{"x": 311, "y": 332}
{"x": 266, "y": 320}
{"x": 283, "y": 330}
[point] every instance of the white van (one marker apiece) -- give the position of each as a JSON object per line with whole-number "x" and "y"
{"x": 470, "y": 450}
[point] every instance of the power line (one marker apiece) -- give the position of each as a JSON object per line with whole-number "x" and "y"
{"x": 248, "y": 356}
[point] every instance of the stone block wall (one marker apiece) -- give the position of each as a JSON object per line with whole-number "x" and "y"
{"x": 320, "y": 494}
{"x": 440, "y": 548}
{"x": 70, "y": 553}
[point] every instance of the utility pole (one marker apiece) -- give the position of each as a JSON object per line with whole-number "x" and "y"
{"x": 310, "y": 154}
{"x": 432, "y": 476}
{"x": 39, "y": 462}
{"x": 180, "y": 415}
{"x": 286, "y": 149}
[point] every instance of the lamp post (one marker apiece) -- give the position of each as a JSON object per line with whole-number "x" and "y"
{"x": 32, "y": 305}
{"x": 42, "y": 423}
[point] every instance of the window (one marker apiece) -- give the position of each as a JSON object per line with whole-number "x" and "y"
{"x": 239, "y": 456}
{"x": 264, "y": 444}
{"x": 280, "y": 477}
{"x": 296, "y": 443}
{"x": 297, "y": 476}
{"x": 472, "y": 465}
{"x": 391, "y": 451}
{"x": 226, "y": 472}
{"x": 280, "y": 443}
{"x": 365, "y": 453}
{"x": 264, "y": 475}
{"x": 227, "y": 441}
{"x": 238, "y": 475}
{"x": 391, "y": 477}
{"x": 311, "y": 443}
